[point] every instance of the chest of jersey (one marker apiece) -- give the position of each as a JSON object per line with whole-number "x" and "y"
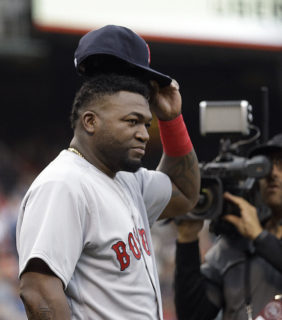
{"x": 117, "y": 256}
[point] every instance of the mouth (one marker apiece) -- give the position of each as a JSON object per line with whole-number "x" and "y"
{"x": 273, "y": 187}
{"x": 139, "y": 150}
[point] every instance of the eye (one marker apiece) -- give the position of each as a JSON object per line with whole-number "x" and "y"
{"x": 148, "y": 125}
{"x": 132, "y": 121}
{"x": 277, "y": 162}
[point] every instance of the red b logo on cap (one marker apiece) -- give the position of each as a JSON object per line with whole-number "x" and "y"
{"x": 149, "y": 54}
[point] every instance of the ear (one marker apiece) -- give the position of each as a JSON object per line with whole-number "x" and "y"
{"x": 89, "y": 121}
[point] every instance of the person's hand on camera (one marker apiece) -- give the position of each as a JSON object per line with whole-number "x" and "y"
{"x": 248, "y": 223}
{"x": 166, "y": 102}
{"x": 188, "y": 230}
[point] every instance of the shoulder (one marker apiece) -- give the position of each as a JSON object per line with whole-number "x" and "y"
{"x": 66, "y": 175}
{"x": 143, "y": 176}
{"x": 65, "y": 168}
{"x": 224, "y": 254}
{"x": 146, "y": 181}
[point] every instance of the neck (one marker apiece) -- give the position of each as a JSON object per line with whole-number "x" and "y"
{"x": 274, "y": 223}
{"x": 90, "y": 156}
{"x": 276, "y": 214}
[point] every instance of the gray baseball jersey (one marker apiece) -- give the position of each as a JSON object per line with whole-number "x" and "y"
{"x": 94, "y": 234}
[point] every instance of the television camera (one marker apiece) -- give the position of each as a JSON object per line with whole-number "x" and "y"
{"x": 231, "y": 170}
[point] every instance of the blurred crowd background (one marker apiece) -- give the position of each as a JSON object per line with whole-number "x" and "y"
{"x": 37, "y": 85}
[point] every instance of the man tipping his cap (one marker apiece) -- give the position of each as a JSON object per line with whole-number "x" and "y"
{"x": 83, "y": 234}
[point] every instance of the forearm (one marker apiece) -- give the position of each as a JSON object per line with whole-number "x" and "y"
{"x": 179, "y": 160}
{"x": 184, "y": 173}
{"x": 43, "y": 297}
{"x": 269, "y": 248}
{"x": 39, "y": 308}
{"x": 190, "y": 285}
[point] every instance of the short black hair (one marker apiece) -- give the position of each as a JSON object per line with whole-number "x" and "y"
{"x": 106, "y": 84}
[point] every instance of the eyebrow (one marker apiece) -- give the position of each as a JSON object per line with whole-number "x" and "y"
{"x": 139, "y": 115}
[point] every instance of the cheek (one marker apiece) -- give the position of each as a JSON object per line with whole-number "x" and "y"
{"x": 115, "y": 135}
{"x": 110, "y": 141}
{"x": 261, "y": 183}
{"x": 262, "y": 186}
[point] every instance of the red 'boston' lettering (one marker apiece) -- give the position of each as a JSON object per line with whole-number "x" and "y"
{"x": 122, "y": 256}
{"x": 133, "y": 246}
{"x": 144, "y": 241}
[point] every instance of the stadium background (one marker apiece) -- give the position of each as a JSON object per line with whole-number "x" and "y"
{"x": 37, "y": 86}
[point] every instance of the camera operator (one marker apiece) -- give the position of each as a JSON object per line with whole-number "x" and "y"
{"x": 241, "y": 274}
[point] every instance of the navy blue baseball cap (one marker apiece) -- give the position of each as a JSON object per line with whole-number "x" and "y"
{"x": 272, "y": 145}
{"x": 119, "y": 46}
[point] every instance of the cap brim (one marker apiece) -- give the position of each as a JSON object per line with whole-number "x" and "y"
{"x": 147, "y": 72}
{"x": 264, "y": 150}
{"x": 162, "y": 79}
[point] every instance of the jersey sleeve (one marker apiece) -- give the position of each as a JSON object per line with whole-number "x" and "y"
{"x": 156, "y": 190}
{"x": 51, "y": 228}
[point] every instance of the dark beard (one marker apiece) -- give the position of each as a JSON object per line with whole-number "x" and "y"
{"x": 119, "y": 160}
{"x": 130, "y": 166}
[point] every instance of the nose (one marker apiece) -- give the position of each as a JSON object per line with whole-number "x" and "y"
{"x": 142, "y": 133}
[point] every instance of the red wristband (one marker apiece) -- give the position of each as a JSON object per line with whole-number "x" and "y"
{"x": 175, "y": 138}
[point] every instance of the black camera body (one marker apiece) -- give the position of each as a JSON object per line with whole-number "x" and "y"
{"x": 231, "y": 171}
{"x": 237, "y": 175}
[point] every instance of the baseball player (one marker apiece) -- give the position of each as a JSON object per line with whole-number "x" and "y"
{"x": 83, "y": 233}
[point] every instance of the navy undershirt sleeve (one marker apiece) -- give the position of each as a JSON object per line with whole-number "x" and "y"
{"x": 269, "y": 248}
{"x": 191, "y": 301}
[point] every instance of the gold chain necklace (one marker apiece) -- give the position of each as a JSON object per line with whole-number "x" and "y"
{"x": 76, "y": 152}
